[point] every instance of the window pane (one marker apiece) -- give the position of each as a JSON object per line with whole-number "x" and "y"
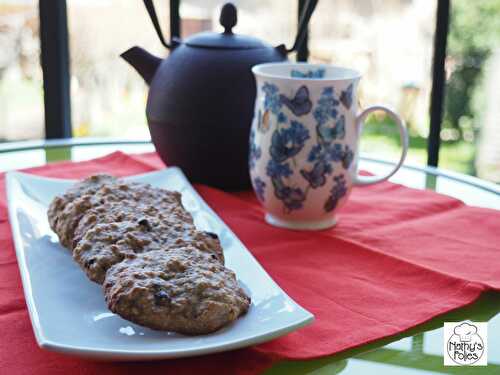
{"x": 390, "y": 43}
{"x": 21, "y": 87}
{"x": 273, "y": 21}
{"x": 472, "y": 113}
{"x": 108, "y": 97}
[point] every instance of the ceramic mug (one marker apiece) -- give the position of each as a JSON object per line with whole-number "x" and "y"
{"x": 304, "y": 142}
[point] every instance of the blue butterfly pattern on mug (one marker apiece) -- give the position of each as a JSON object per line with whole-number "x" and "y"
{"x": 317, "y": 176}
{"x": 288, "y": 139}
{"x": 276, "y": 169}
{"x": 255, "y": 151}
{"x": 317, "y": 73}
{"x": 272, "y": 105}
{"x": 300, "y": 104}
{"x": 346, "y": 96}
{"x": 293, "y": 197}
{"x": 271, "y": 98}
{"x": 326, "y": 107}
{"x": 338, "y": 190}
{"x": 259, "y": 188}
{"x": 282, "y": 119}
{"x": 329, "y": 129}
{"x": 287, "y": 142}
{"x": 347, "y": 157}
{"x": 322, "y": 155}
{"x": 329, "y": 133}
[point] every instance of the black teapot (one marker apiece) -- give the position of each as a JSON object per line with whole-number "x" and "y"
{"x": 201, "y": 98}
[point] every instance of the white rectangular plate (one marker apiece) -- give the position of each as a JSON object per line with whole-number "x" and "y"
{"x": 68, "y": 312}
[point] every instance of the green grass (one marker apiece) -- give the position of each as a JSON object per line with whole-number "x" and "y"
{"x": 381, "y": 139}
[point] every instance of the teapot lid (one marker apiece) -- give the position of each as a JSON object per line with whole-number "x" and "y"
{"x": 225, "y": 40}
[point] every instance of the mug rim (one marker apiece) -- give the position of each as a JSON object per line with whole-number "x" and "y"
{"x": 259, "y": 70}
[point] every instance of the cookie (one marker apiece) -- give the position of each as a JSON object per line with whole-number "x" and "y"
{"x": 106, "y": 244}
{"x": 184, "y": 290}
{"x": 87, "y": 186}
{"x": 131, "y": 210}
{"x": 109, "y": 191}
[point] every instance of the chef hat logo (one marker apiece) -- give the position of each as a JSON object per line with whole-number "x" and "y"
{"x": 465, "y": 331}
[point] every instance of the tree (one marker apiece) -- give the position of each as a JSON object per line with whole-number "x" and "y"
{"x": 474, "y": 32}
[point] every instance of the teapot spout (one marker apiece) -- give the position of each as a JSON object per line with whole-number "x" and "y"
{"x": 142, "y": 61}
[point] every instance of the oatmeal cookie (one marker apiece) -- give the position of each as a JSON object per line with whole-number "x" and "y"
{"x": 106, "y": 244}
{"x": 87, "y": 186}
{"x": 131, "y": 210}
{"x": 183, "y": 290}
{"x": 117, "y": 191}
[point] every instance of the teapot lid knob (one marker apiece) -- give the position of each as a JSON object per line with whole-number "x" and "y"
{"x": 228, "y": 17}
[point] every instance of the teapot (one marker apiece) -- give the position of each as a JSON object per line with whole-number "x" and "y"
{"x": 201, "y": 97}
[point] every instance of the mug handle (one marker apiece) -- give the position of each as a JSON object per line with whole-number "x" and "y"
{"x": 403, "y": 136}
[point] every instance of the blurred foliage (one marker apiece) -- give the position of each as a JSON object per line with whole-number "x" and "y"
{"x": 474, "y": 31}
{"x": 380, "y": 139}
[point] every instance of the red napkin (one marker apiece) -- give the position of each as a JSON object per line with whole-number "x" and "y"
{"x": 397, "y": 258}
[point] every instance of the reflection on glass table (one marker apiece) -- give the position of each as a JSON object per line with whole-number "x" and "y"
{"x": 417, "y": 351}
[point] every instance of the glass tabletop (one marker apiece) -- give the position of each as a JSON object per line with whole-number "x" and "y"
{"x": 418, "y": 351}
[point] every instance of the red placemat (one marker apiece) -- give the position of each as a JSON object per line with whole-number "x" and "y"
{"x": 397, "y": 258}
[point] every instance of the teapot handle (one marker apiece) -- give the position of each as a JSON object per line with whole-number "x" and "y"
{"x": 303, "y": 24}
{"x": 154, "y": 18}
